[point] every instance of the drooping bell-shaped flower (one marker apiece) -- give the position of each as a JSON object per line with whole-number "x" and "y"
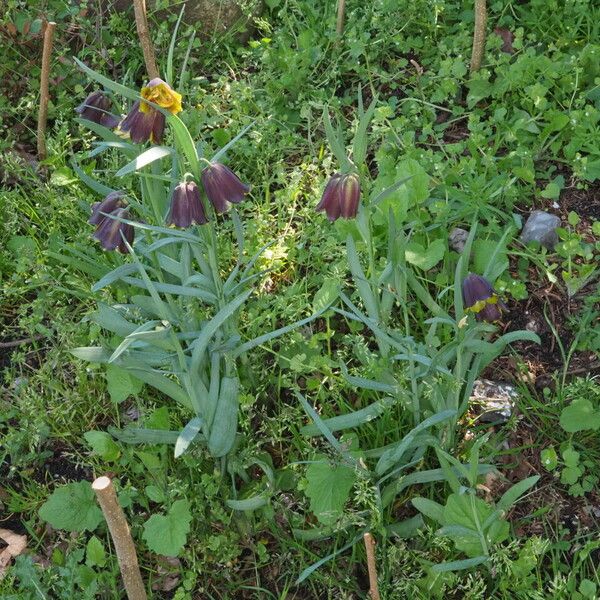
{"x": 160, "y": 92}
{"x": 144, "y": 122}
{"x": 111, "y": 231}
{"x": 341, "y": 196}
{"x": 96, "y": 108}
{"x": 222, "y": 186}
{"x": 143, "y": 125}
{"x": 186, "y": 206}
{"x": 108, "y": 205}
{"x": 480, "y": 298}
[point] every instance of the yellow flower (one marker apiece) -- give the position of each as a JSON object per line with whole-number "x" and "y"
{"x": 160, "y": 93}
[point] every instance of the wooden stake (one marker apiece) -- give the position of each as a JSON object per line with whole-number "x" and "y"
{"x": 340, "y": 17}
{"x": 478, "y": 35}
{"x": 371, "y": 566}
{"x": 121, "y": 536}
{"x": 141, "y": 22}
{"x": 44, "y": 77}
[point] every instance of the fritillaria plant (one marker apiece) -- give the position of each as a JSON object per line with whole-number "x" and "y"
{"x": 179, "y": 331}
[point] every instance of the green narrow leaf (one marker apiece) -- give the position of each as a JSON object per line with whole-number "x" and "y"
{"x": 185, "y": 142}
{"x": 252, "y": 503}
{"x": 229, "y": 144}
{"x": 359, "y": 147}
{"x": 187, "y": 436}
{"x": 360, "y": 280}
{"x": 145, "y": 158}
{"x": 94, "y": 185}
{"x": 459, "y": 565}
{"x": 141, "y": 435}
{"x": 169, "y": 74}
{"x": 350, "y": 420}
{"x": 515, "y": 492}
{"x": 224, "y": 426}
{"x": 107, "y": 83}
{"x": 201, "y": 343}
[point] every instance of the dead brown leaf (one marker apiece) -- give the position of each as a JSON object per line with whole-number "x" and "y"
{"x": 16, "y": 545}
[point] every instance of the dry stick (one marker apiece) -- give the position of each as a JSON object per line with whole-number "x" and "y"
{"x": 478, "y": 35}
{"x": 43, "y": 109}
{"x": 370, "y": 547}
{"x": 139, "y": 7}
{"x": 121, "y": 536}
{"x": 340, "y": 17}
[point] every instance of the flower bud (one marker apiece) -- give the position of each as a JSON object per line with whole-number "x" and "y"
{"x": 96, "y": 108}
{"x": 222, "y": 186}
{"x": 480, "y": 298}
{"x": 186, "y": 206}
{"x": 341, "y": 197}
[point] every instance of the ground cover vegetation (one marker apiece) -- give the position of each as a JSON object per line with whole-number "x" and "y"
{"x": 295, "y": 280}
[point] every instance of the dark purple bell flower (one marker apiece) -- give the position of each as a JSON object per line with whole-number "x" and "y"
{"x": 111, "y": 231}
{"x": 108, "y": 205}
{"x": 341, "y": 196}
{"x": 186, "y": 206}
{"x": 96, "y": 108}
{"x": 222, "y": 185}
{"x": 480, "y": 298}
{"x": 145, "y": 125}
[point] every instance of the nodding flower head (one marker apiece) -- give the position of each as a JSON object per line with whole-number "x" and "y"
{"x": 222, "y": 186}
{"x": 108, "y": 205}
{"x": 112, "y": 231}
{"x": 186, "y": 206}
{"x": 143, "y": 125}
{"x": 341, "y": 197}
{"x": 96, "y": 108}
{"x": 480, "y": 299}
{"x": 160, "y": 92}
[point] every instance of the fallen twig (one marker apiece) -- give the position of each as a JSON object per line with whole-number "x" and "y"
{"x": 141, "y": 22}
{"x": 121, "y": 536}
{"x": 44, "y": 77}
{"x": 14, "y": 343}
{"x": 478, "y": 35}
{"x": 371, "y": 566}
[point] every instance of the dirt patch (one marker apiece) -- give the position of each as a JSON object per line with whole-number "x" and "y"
{"x": 585, "y": 202}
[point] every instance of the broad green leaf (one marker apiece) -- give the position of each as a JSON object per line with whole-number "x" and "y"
{"x": 579, "y": 416}
{"x": 327, "y": 295}
{"x": 328, "y": 488}
{"x": 429, "y": 508}
{"x": 167, "y": 534}
{"x": 121, "y": 384}
{"x": 425, "y": 257}
{"x": 549, "y": 458}
{"x": 72, "y": 507}
{"x": 103, "y": 445}
{"x": 407, "y": 528}
{"x": 95, "y": 556}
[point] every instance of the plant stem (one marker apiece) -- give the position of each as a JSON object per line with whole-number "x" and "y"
{"x": 141, "y": 22}
{"x": 45, "y": 75}
{"x": 121, "y": 536}
{"x": 478, "y": 35}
